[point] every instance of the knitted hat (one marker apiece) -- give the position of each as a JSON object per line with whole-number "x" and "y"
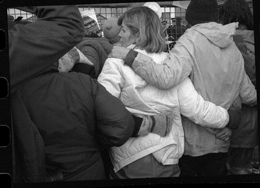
{"x": 202, "y": 11}
{"x": 155, "y": 7}
{"x": 90, "y": 26}
{"x": 111, "y": 30}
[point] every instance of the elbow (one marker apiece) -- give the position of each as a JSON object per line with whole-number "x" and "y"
{"x": 121, "y": 132}
{"x": 78, "y": 34}
{"x": 163, "y": 85}
{"x": 126, "y": 132}
{"x": 76, "y": 28}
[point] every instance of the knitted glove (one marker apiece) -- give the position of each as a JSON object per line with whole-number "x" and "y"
{"x": 67, "y": 61}
{"x": 158, "y": 124}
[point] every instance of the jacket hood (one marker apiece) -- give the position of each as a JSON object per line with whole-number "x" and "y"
{"x": 220, "y": 35}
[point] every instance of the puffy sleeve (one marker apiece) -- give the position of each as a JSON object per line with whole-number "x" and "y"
{"x": 115, "y": 125}
{"x": 174, "y": 69}
{"x": 202, "y": 112}
{"x": 111, "y": 78}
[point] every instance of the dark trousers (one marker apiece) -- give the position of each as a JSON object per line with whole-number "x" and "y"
{"x": 213, "y": 164}
{"x": 240, "y": 157}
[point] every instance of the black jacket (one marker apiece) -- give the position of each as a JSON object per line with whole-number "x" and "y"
{"x": 68, "y": 116}
{"x": 34, "y": 47}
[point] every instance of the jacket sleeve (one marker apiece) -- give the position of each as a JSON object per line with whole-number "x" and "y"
{"x": 93, "y": 49}
{"x": 248, "y": 92}
{"x": 114, "y": 123}
{"x": 111, "y": 78}
{"x": 176, "y": 68}
{"x": 202, "y": 112}
{"x": 36, "y": 46}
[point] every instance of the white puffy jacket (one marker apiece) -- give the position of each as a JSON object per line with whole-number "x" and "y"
{"x": 143, "y": 99}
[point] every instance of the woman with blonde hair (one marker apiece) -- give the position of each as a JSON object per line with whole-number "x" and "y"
{"x": 157, "y": 149}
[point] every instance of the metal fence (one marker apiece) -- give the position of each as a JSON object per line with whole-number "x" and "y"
{"x": 105, "y": 11}
{"x": 173, "y": 17}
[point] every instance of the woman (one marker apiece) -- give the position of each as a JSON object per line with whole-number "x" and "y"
{"x": 155, "y": 153}
{"x": 244, "y": 139}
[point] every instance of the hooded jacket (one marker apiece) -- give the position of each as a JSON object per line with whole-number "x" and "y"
{"x": 141, "y": 98}
{"x": 34, "y": 47}
{"x": 208, "y": 54}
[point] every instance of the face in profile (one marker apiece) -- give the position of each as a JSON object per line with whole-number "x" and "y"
{"x": 127, "y": 38}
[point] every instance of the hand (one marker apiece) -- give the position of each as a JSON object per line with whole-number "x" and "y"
{"x": 158, "y": 124}
{"x": 224, "y": 134}
{"x": 119, "y": 52}
{"x": 74, "y": 54}
{"x": 66, "y": 63}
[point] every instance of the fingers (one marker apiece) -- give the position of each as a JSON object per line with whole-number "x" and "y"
{"x": 225, "y": 134}
{"x": 224, "y": 137}
{"x": 115, "y": 52}
{"x": 119, "y": 52}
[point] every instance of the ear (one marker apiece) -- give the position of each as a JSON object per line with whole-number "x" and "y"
{"x": 137, "y": 38}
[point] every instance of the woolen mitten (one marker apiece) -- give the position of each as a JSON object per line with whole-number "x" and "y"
{"x": 157, "y": 124}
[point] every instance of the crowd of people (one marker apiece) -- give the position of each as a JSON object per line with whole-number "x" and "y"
{"x": 86, "y": 107}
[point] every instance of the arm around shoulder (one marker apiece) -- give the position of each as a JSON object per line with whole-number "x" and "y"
{"x": 174, "y": 69}
{"x": 194, "y": 107}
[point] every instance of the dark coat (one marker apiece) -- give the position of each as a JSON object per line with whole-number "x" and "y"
{"x": 68, "y": 117}
{"x": 96, "y": 50}
{"x": 34, "y": 47}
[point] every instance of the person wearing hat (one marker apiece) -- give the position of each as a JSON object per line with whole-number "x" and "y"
{"x": 207, "y": 54}
{"x": 176, "y": 30}
{"x": 91, "y": 28}
{"x": 155, "y": 7}
{"x": 111, "y": 30}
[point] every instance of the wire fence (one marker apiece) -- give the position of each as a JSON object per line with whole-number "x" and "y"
{"x": 105, "y": 11}
{"x": 173, "y": 17}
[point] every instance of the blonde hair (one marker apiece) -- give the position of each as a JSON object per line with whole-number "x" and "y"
{"x": 145, "y": 22}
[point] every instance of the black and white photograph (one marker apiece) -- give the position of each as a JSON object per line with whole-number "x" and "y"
{"x": 131, "y": 93}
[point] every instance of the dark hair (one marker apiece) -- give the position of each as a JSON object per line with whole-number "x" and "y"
{"x": 236, "y": 11}
{"x": 146, "y": 22}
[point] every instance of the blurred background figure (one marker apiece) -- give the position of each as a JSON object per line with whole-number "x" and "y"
{"x": 177, "y": 29}
{"x": 245, "y": 138}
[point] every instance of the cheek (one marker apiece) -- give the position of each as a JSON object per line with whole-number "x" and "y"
{"x": 132, "y": 40}
{"x": 124, "y": 40}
